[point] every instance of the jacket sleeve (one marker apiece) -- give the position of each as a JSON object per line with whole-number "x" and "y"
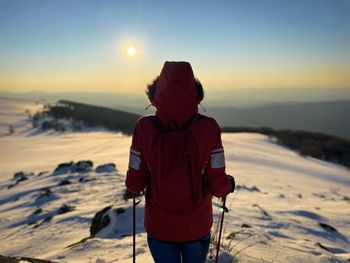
{"x": 218, "y": 182}
{"x": 136, "y": 177}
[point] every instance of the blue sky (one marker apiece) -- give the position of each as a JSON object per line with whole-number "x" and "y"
{"x": 80, "y": 45}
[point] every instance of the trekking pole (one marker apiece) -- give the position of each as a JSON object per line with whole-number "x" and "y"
{"x": 134, "y": 230}
{"x": 224, "y": 209}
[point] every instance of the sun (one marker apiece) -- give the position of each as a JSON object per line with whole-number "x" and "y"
{"x": 131, "y": 50}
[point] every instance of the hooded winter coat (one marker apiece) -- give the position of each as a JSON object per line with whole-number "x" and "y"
{"x": 176, "y": 102}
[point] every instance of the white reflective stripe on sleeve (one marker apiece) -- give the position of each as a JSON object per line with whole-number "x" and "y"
{"x": 217, "y": 150}
{"x": 217, "y": 160}
{"x": 135, "y": 152}
{"x": 134, "y": 161}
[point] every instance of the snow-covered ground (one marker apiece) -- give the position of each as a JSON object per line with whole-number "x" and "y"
{"x": 287, "y": 208}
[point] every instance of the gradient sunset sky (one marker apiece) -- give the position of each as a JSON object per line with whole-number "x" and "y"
{"x": 76, "y": 45}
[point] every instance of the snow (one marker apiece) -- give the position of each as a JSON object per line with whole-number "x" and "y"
{"x": 276, "y": 215}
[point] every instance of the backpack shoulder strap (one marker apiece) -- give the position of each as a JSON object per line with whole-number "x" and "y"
{"x": 196, "y": 117}
{"x": 157, "y": 123}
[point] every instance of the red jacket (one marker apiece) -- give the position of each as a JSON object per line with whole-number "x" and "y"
{"x": 176, "y": 101}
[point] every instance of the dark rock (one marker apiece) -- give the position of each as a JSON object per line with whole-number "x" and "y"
{"x": 244, "y": 225}
{"x": 64, "y": 182}
{"x": 300, "y": 196}
{"x": 85, "y": 163}
{"x": 20, "y": 176}
{"x": 250, "y": 189}
{"x": 45, "y": 192}
{"x": 4, "y": 259}
{"x": 105, "y": 168}
{"x": 64, "y": 165}
{"x": 120, "y": 210}
{"x": 79, "y": 167}
{"x": 86, "y": 179}
{"x": 63, "y": 168}
{"x": 38, "y": 211}
{"x": 327, "y": 227}
{"x": 42, "y": 173}
{"x": 11, "y": 185}
{"x": 83, "y": 166}
{"x": 65, "y": 209}
{"x": 346, "y": 198}
{"x": 99, "y": 221}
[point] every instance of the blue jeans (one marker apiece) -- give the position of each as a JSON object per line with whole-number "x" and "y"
{"x": 177, "y": 252}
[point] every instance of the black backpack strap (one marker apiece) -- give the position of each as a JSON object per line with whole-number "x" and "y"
{"x": 196, "y": 117}
{"x": 157, "y": 123}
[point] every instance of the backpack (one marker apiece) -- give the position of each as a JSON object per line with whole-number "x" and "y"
{"x": 176, "y": 182}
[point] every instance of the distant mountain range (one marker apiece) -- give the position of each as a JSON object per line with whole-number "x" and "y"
{"x": 237, "y": 97}
{"x": 328, "y": 117}
{"x": 88, "y": 115}
{"x": 107, "y": 99}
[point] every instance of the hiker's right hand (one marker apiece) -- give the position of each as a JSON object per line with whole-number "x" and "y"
{"x": 137, "y": 194}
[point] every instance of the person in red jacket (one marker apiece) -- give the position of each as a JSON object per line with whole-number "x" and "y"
{"x": 175, "y": 236}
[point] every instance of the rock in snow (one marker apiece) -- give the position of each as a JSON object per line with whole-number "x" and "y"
{"x": 20, "y": 177}
{"x": 63, "y": 168}
{"x": 65, "y": 209}
{"x": 100, "y": 221}
{"x": 105, "y": 168}
{"x": 4, "y": 259}
{"x": 104, "y": 223}
{"x": 71, "y": 167}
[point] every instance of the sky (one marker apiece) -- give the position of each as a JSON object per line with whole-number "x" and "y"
{"x": 64, "y": 45}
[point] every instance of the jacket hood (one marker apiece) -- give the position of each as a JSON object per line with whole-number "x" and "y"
{"x": 176, "y": 98}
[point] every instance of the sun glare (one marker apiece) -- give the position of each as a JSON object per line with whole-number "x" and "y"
{"x": 131, "y": 50}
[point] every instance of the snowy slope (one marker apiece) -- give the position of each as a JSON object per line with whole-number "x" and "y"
{"x": 276, "y": 215}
